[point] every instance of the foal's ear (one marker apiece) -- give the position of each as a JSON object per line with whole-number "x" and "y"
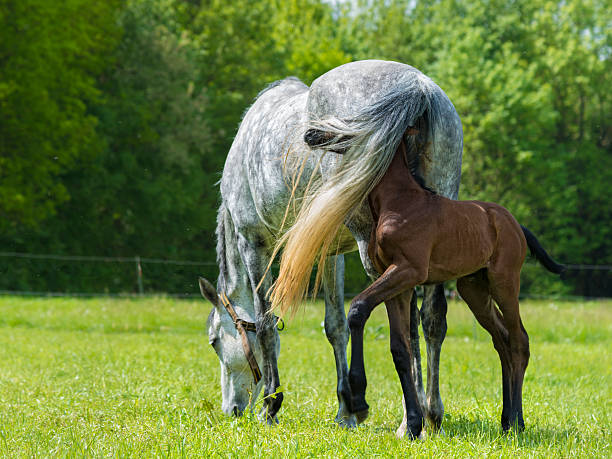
{"x": 208, "y": 291}
{"x": 412, "y": 130}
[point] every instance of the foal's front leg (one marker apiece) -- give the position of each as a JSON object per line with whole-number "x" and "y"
{"x": 392, "y": 282}
{"x": 398, "y": 312}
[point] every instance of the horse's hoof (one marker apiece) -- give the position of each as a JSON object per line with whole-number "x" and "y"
{"x": 362, "y": 415}
{"x": 265, "y": 419}
{"x": 348, "y": 421}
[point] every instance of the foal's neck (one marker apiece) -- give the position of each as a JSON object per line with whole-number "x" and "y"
{"x": 398, "y": 179}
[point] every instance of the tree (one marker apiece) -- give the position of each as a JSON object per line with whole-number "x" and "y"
{"x": 50, "y": 56}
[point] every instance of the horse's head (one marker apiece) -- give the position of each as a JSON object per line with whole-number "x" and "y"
{"x": 235, "y": 342}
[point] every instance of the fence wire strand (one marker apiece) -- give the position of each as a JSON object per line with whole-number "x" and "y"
{"x": 160, "y": 261}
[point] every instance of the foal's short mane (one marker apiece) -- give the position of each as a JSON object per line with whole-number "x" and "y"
{"x": 411, "y": 159}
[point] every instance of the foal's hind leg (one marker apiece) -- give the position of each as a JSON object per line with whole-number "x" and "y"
{"x": 398, "y": 311}
{"x": 410, "y": 315}
{"x": 433, "y": 318}
{"x": 474, "y": 290}
{"x": 336, "y": 330}
{"x": 505, "y": 290}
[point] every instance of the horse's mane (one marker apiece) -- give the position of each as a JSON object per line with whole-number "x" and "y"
{"x": 276, "y": 83}
{"x": 221, "y": 256}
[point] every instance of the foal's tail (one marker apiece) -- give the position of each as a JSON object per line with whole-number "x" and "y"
{"x": 538, "y": 251}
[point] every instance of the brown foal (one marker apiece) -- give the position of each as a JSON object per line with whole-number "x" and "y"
{"x": 423, "y": 238}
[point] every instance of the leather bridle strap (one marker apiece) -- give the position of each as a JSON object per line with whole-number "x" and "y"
{"x": 243, "y": 326}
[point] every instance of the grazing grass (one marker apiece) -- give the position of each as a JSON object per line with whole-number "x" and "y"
{"x": 136, "y": 377}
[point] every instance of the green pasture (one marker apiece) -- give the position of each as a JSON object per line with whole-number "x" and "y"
{"x": 136, "y": 377}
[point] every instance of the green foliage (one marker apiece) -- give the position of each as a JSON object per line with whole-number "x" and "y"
{"x": 151, "y": 183}
{"x": 246, "y": 44}
{"x": 100, "y": 377}
{"x": 116, "y": 117}
{"x": 50, "y": 56}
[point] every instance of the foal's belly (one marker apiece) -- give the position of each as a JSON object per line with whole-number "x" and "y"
{"x": 459, "y": 254}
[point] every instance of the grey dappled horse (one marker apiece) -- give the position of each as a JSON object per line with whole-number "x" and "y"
{"x": 269, "y": 160}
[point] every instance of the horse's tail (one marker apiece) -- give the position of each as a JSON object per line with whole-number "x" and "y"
{"x": 538, "y": 251}
{"x": 368, "y": 142}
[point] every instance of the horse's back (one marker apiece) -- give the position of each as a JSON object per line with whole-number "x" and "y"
{"x": 346, "y": 90}
{"x": 254, "y": 182}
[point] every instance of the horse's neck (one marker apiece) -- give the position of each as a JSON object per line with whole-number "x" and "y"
{"x": 233, "y": 277}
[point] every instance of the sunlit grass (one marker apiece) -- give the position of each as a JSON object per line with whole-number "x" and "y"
{"x": 124, "y": 377}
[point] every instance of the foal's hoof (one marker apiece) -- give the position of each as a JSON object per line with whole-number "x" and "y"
{"x": 404, "y": 432}
{"x": 348, "y": 421}
{"x": 517, "y": 426}
{"x": 362, "y": 415}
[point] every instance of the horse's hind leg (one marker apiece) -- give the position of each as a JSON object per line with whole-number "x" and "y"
{"x": 392, "y": 282}
{"x": 398, "y": 311}
{"x": 415, "y": 348}
{"x": 474, "y": 290}
{"x": 336, "y": 330}
{"x": 433, "y": 318}
{"x": 505, "y": 289}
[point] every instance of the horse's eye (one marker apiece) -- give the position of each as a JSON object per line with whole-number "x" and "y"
{"x": 213, "y": 342}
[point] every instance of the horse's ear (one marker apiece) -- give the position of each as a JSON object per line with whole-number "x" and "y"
{"x": 208, "y": 291}
{"x": 412, "y": 130}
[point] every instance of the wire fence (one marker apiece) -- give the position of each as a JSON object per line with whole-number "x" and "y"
{"x": 137, "y": 276}
{"x": 35, "y": 274}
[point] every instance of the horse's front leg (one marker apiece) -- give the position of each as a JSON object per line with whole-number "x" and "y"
{"x": 336, "y": 331}
{"x": 392, "y": 282}
{"x": 433, "y": 318}
{"x": 254, "y": 260}
{"x": 398, "y": 311}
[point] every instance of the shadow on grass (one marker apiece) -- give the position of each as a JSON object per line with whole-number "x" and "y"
{"x": 489, "y": 429}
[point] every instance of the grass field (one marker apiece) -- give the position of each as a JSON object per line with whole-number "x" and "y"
{"x": 136, "y": 377}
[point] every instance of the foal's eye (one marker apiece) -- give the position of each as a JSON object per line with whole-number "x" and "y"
{"x": 213, "y": 342}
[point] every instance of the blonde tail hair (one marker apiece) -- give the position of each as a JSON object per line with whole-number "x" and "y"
{"x": 369, "y": 141}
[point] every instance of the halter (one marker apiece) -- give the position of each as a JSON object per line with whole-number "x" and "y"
{"x": 243, "y": 326}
